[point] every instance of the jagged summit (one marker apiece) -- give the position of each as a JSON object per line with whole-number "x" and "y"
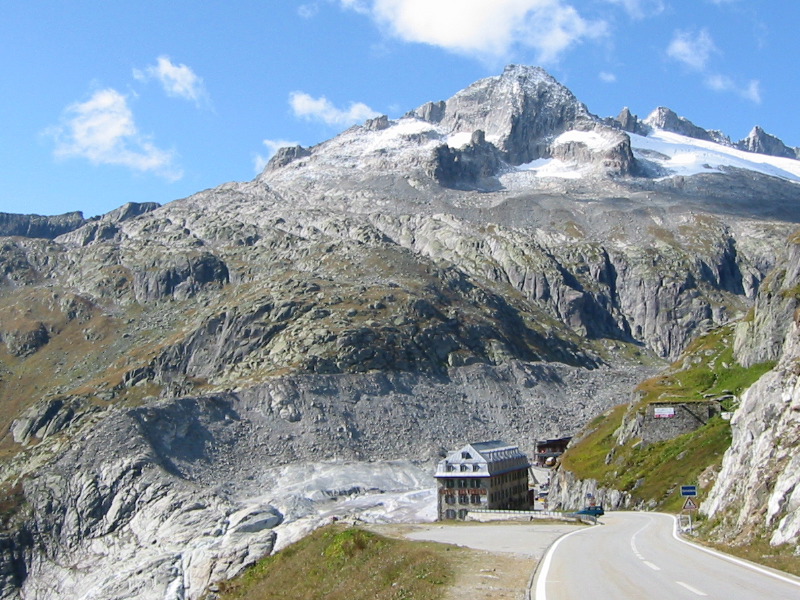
{"x": 520, "y": 130}
{"x": 516, "y": 110}
{"x": 666, "y": 119}
{"x": 763, "y": 143}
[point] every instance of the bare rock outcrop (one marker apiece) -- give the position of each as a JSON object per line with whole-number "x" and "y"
{"x": 758, "y": 488}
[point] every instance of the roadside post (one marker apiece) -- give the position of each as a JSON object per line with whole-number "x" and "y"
{"x": 689, "y": 505}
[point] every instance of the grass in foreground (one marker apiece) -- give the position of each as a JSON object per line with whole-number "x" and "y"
{"x": 759, "y": 551}
{"x": 339, "y": 563}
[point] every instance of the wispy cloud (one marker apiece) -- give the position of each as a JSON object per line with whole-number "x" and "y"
{"x": 607, "y": 77}
{"x": 103, "y": 130}
{"x": 692, "y": 48}
{"x": 487, "y": 30}
{"x": 722, "y": 83}
{"x": 639, "y": 9}
{"x": 323, "y": 110}
{"x": 178, "y": 81}
{"x": 307, "y": 11}
{"x": 260, "y": 161}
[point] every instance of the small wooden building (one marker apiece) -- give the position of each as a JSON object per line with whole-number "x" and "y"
{"x": 482, "y": 475}
{"x": 547, "y": 451}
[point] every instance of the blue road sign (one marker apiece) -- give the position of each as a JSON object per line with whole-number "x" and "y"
{"x": 688, "y": 490}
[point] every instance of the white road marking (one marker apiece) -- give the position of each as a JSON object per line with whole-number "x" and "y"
{"x": 635, "y": 548}
{"x": 729, "y": 558}
{"x": 541, "y": 581}
{"x": 691, "y": 589}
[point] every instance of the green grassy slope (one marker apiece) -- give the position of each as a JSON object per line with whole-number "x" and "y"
{"x": 654, "y": 473}
{"x": 338, "y": 563}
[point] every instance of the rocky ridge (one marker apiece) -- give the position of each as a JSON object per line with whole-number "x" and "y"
{"x": 381, "y": 296}
{"x": 758, "y": 488}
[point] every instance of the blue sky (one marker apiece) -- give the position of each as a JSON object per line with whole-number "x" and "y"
{"x": 107, "y": 102}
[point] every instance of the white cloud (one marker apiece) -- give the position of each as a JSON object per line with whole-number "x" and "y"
{"x": 639, "y": 9}
{"x": 722, "y": 83}
{"x": 307, "y": 11}
{"x": 483, "y": 28}
{"x": 752, "y": 91}
{"x": 694, "y": 49}
{"x": 102, "y": 130}
{"x": 321, "y": 109}
{"x": 607, "y": 77}
{"x": 178, "y": 81}
{"x": 260, "y": 161}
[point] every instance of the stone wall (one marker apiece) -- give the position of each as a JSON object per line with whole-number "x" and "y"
{"x": 666, "y": 420}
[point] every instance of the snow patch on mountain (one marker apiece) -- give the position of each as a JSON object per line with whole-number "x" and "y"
{"x": 594, "y": 140}
{"x": 526, "y": 175}
{"x": 670, "y": 154}
{"x": 681, "y": 155}
{"x": 459, "y": 140}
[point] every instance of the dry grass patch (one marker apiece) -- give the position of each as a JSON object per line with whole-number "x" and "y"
{"x": 341, "y": 563}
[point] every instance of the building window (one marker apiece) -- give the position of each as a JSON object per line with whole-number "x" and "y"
{"x": 450, "y": 468}
{"x": 463, "y": 499}
{"x": 450, "y": 499}
{"x": 475, "y": 499}
{"x": 450, "y": 514}
{"x": 450, "y": 483}
{"x": 462, "y": 514}
{"x": 476, "y": 467}
{"x": 466, "y": 455}
{"x": 465, "y": 467}
{"x": 476, "y": 483}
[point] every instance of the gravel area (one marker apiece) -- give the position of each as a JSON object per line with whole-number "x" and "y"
{"x": 498, "y": 559}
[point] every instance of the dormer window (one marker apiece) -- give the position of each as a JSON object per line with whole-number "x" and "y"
{"x": 466, "y": 455}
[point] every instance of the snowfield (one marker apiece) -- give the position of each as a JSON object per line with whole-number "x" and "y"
{"x": 681, "y": 155}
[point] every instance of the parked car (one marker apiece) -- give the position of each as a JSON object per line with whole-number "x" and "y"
{"x": 594, "y": 511}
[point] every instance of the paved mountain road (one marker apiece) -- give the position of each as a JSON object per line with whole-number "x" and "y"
{"x": 636, "y": 556}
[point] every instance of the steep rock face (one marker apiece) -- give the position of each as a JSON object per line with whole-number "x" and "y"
{"x": 468, "y": 165}
{"x": 37, "y": 226}
{"x": 286, "y": 155}
{"x": 760, "y": 141}
{"x": 569, "y": 493}
{"x": 661, "y": 295}
{"x": 117, "y": 503}
{"x": 668, "y": 120}
{"x": 517, "y": 110}
{"x": 758, "y": 488}
{"x": 595, "y": 144}
{"x": 629, "y": 122}
{"x": 762, "y": 334}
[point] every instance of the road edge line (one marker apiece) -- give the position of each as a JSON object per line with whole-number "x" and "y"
{"x": 787, "y": 578}
{"x": 539, "y": 577}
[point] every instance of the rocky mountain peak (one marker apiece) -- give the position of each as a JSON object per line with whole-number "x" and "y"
{"x": 762, "y": 142}
{"x": 517, "y": 110}
{"x": 627, "y": 121}
{"x": 667, "y": 120}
